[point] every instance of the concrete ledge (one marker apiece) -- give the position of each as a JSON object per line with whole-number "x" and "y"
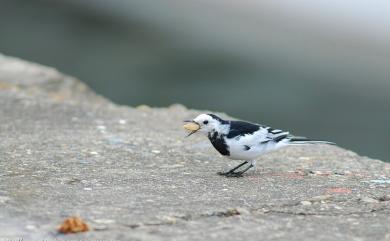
{"x": 38, "y": 80}
{"x": 131, "y": 174}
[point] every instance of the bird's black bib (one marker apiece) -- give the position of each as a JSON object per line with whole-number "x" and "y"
{"x": 219, "y": 143}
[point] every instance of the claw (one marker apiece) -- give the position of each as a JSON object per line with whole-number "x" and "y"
{"x": 222, "y": 173}
{"x": 230, "y": 174}
{"x": 235, "y": 174}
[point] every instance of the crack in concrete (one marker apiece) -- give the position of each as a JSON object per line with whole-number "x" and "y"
{"x": 271, "y": 208}
{"x": 187, "y": 217}
{"x": 266, "y": 209}
{"x": 327, "y": 214}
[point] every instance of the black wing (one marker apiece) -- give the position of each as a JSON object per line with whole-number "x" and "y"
{"x": 241, "y": 128}
{"x": 277, "y": 135}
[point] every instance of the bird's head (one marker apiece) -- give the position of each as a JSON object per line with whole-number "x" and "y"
{"x": 206, "y": 123}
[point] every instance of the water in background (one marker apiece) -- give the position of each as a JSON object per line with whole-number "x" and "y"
{"x": 304, "y": 67}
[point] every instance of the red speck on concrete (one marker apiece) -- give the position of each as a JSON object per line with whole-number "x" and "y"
{"x": 340, "y": 190}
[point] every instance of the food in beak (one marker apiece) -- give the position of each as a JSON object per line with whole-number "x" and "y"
{"x": 191, "y": 126}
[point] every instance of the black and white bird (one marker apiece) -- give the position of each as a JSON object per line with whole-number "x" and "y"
{"x": 240, "y": 140}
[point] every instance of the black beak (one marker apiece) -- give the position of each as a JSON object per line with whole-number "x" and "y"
{"x": 192, "y": 132}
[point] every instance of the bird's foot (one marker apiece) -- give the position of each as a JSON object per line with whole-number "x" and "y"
{"x": 230, "y": 174}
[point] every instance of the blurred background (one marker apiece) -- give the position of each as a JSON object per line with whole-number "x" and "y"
{"x": 318, "y": 68}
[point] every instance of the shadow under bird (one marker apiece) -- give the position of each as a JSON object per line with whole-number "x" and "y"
{"x": 240, "y": 140}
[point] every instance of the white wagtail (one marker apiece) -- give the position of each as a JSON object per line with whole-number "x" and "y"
{"x": 240, "y": 140}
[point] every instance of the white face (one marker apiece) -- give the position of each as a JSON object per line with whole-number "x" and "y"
{"x": 207, "y": 123}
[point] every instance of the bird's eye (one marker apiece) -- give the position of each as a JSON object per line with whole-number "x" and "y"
{"x": 205, "y": 122}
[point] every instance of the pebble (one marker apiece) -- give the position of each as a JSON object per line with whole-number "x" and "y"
{"x": 304, "y": 158}
{"x": 83, "y": 162}
{"x": 104, "y": 221}
{"x": 321, "y": 198}
{"x": 337, "y": 207}
{"x": 368, "y": 200}
{"x": 169, "y": 220}
{"x": 31, "y": 227}
{"x": 380, "y": 181}
{"x": 343, "y": 173}
{"x": 321, "y": 173}
{"x": 100, "y": 227}
{"x": 122, "y": 122}
{"x": 242, "y": 211}
{"x": 4, "y": 199}
{"x": 384, "y": 198}
{"x": 115, "y": 141}
{"x": 306, "y": 203}
{"x": 101, "y": 128}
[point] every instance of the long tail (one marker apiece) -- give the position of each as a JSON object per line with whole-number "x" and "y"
{"x": 304, "y": 141}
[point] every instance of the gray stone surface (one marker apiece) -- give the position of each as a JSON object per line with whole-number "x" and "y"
{"x": 131, "y": 174}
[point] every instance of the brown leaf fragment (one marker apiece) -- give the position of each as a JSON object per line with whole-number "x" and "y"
{"x": 73, "y": 225}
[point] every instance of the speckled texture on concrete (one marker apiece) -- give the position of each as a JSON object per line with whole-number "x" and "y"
{"x": 131, "y": 174}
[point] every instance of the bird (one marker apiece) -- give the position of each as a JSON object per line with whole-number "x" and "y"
{"x": 241, "y": 140}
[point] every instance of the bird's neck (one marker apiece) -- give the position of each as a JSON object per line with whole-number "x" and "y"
{"x": 221, "y": 129}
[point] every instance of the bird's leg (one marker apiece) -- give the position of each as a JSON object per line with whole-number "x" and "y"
{"x": 239, "y": 174}
{"x": 232, "y": 170}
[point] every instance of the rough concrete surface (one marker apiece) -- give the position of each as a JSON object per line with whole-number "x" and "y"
{"x": 131, "y": 174}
